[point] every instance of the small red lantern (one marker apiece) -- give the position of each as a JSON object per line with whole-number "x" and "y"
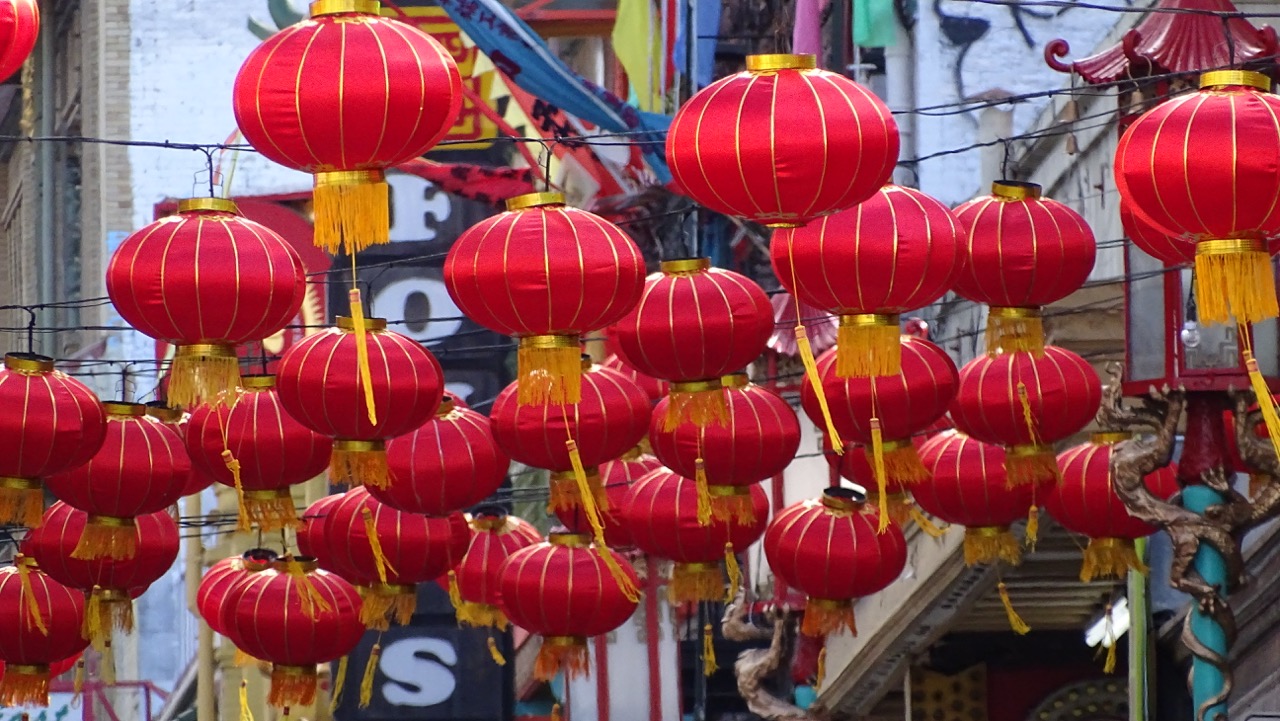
{"x": 19, "y": 29}
{"x": 344, "y": 96}
{"x": 897, "y": 251}
{"x": 693, "y": 325}
{"x": 1167, "y": 249}
{"x": 40, "y": 621}
{"x": 60, "y": 426}
{"x": 782, "y": 142}
{"x": 206, "y": 280}
{"x": 759, "y": 441}
{"x": 218, "y": 581}
{"x": 661, "y": 514}
{"x": 294, "y": 616}
{"x": 141, "y": 468}
{"x": 177, "y": 419}
{"x": 616, "y": 477}
{"x": 319, "y": 383}
{"x": 496, "y": 536}
{"x": 312, "y": 541}
{"x": 1020, "y": 252}
{"x": 449, "y": 463}
{"x": 565, "y": 590}
{"x": 1086, "y": 502}
{"x": 546, "y": 274}
{"x": 832, "y": 551}
{"x": 855, "y": 465}
{"x": 655, "y": 387}
{"x": 387, "y": 552}
{"x": 1026, "y": 403}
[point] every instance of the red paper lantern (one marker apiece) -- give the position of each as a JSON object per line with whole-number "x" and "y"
{"x": 177, "y": 419}
{"x": 855, "y": 465}
{"x": 1086, "y": 502}
{"x": 141, "y": 468}
{"x": 565, "y": 590}
{"x": 759, "y": 441}
{"x": 60, "y": 425}
{"x": 546, "y": 274}
{"x": 830, "y": 549}
{"x": 694, "y": 324}
{"x": 270, "y": 451}
{"x": 19, "y": 29}
{"x": 1177, "y": 169}
{"x": 1026, "y": 404}
{"x": 609, "y": 421}
{"x": 897, "y": 251}
{"x": 782, "y": 142}
{"x": 449, "y": 463}
{"x": 293, "y": 616}
{"x": 1020, "y": 252}
{"x": 661, "y": 513}
{"x": 656, "y": 388}
{"x": 386, "y": 552}
{"x": 206, "y": 280}
{"x": 312, "y": 541}
{"x": 221, "y": 577}
{"x": 319, "y": 385}
{"x": 344, "y": 96}
{"x": 111, "y": 583}
{"x": 616, "y": 477}
{"x": 495, "y": 536}
{"x": 40, "y": 621}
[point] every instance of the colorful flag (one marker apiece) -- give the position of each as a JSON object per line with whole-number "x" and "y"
{"x": 635, "y": 42}
{"x": 874, "y": 24}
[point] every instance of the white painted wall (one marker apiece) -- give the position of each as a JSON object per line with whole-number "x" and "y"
{"x": 628, "y": 672}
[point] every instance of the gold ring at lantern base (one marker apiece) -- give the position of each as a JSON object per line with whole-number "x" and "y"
{"x": 534, "y": 200}
{"x": 257, "y": 382}
{"x": 28, "y": 363}
{"x": 109, "y": 521}
{"x": 206, "y": 350}
{"x": 780, "y": 61}
{"x": 1029, "y": 449}
{"x": 373, "y": 325}
{"x": 728, "y": 491}
{"x": 1245, "y": 78}
{"x": 28, "y": 561}
{"x": 26, "y": 669}
{"x": 714, "y": 384}
{"x": 569, "y": 540}
{"x": 285, "y": 565}
{"x": 1109, "y": 438}
{"x": 121, "y": 408}
{"x": 268, "y": 495}
{"x": 1014, "y": 313}
{"x": 697, "y": 567}
{"x": 19, "y": 484}
{"x": 447, "y": 406}
{"x": 840, "y": 503}
{"x": 301, "y": 671}
{"x": 684, "y": 265}
{"x": 544, "y": 342}
{"x": 826, "y": 603}
{"x": 1015, "y": 190}
{"x": 896, "y": 445}
{"x": 217, "y": 205}
{"x": 350, "y": 177}
{"x": 866, "y": 320}
{"x": 988, "y": 531}
{"x": 735, "y": 380}
{"x": 488, "y": 523}
{"x": 1233, "y": 246}
{"x": 389, "y": 589}
{"x": 354, "y": 446}
{"x": 111, "y": 594}
{"x": 164, "y": 414}
{"x": 564, "y": 641}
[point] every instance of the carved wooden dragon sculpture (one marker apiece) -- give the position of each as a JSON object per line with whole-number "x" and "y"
{"x": 754, "y": 667}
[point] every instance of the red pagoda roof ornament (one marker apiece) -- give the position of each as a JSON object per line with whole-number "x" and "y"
{"x": 1178, "y": 36}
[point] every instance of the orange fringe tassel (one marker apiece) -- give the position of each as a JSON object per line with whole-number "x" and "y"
{"x": 292, "y": 686}
{"x": 991, "y": 543}
{"x": 1110, "y": 558}
{"x": 565, "y": 497}
{"x": 549, "y": 371}
{"x": 270, "y": 510}
{"x": 24, "y": 686}
{"x": 359, "y": 467}
{"x": 104, "y": 614}
{"x": 22, "y": 506}
{"x": 103, "y": 537}
{"x": 562, "y": 654}
{"x": 692, "y": 582}
{"x": 196, "y": 379}
{"x": 903, "y": 465}
{"x": 1026, "y": 467}
{"x": 700, "y": 407}
{"x": 822, "y": 617}
{"x": 384, "y": 604}
{"x": 1015, "y": 333}
{"x": 731, "y": 504}
{"x": 482, "y": 615}
{"x": 863, "y": 351}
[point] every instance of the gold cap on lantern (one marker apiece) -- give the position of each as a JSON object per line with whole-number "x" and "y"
{"x": 333, "y": 7}
{"x": 28, "y": 363}
{"x": 534, "y": 200}
{"x": 370, "y": 324}
{"x": 216, "y": 205}
{"x": 1015, "y": 190}
{"x": 685, "y": 265}
{"x": 1243, "y": 78}
{"x": 780, "y": 61}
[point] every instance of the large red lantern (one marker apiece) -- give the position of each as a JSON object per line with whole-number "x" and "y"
{"x": 1027, "y": 403}
{"x": 312, "y": 541}
{"x": 387, "y": 552}
{"x": 269, "y": 452}
{"x": 495, "y": 536}
{"x": 897, "y": 251}
{"x": 177, "y": 419}
{"x": 221, "y": 577}
{"x": 53, "y": 423}
{"x": 546, "y": 274}
{"x": 661, "y": 514}
{"x": 449, "y": 463}
{"x": 758, "y": 441}
{"x": 40, "y": 622}
{"x": 830, "y": 549}
{"x": 566, "y": 591}
{"x": 655, "y": 387}
{"x": 344, "y": 96}
{"x": 293, "y": 616}
{"x": 141, "y": 468}
{"x": 782, "y": 142}
{"x": 1223, "y": 200}
{"x": 320, "y": 385}
{"x": 1020, "y": 252}
{"x": 206, "y": 280}
{"x": 1085, "y": 502}
{"x": 19, "y": 29}
{"x": 693, "y": 325}
{"x": 616, "y": 477}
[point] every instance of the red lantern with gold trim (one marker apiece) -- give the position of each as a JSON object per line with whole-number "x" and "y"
{"x": 53, "y": 423}
{"x": 1026, "y": 404}
{"x": 312, "y": 540}
{"x": 782, "y": 142}
{"x": 897, "y": 251}
{"x": 495, "y": 536}
{"x": 344, "y": 96}
{"x": 206, "y": 280}
{"x": 616, "y": 477}
{"x": 655, "y": 387}
{"x": 565, "y": 590}
{"x": 40, "y": 622}
{"x": 319, "y": 384}
{"x": 661, "y": 514}
{"x": 855, "y": 465}
{"x": 19, "y": 29}
{"x": 693, "y": 325}
{"x": 1020, "y": 252}
{"x": 1085, "y": 502}
{"x": 831, "y": 550}
{"x": 218, "y": 581}
{"x": 177, "y": 419}
{"x": 546, "y": 274}
{"x": 141, "y": 468}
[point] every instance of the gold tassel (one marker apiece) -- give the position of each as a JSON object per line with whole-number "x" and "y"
{"x": 1110, "y": 558}
{"x": 561, "y": 654}
{"x": 455, "y": 593}
{"x": 735, "y": 573}
{"x": 23, "y": 687}
{"x": 1016, "y": 623}
{"x": 549, "y": 370}
{"x": 882, "y": 482}
{"x": 243, "y": 523}
{"x": 822, "y": 616}
{"x": 1028, "y": 417}
{"x": 1012, "y": 331}
{"x": 108, "y": 669}
{"x": 313, "y": 603}
{"x": 704, "y": 495}
{"x": 32, "y": 603}
{"x": 104, "y": 537}
{"x": 370, "y": 669}
{"x": 1233, "y": 279}
{"x": 709, "y": 666}
{"x": 732, "y": 504}
{"x": 338, "y": 683}
{"x": 1033, "y": 526}
{"x": 379, "y": 558}
{"x": 21, "y": 503}
{"x": 246, "y": 713}
{"x": 822, "y": 669}
{"x": 362, "y": 352}
{"x": 494, "y": 653}
{"x": 365, "y": 465}
{"x": 482, "y": 615}
{"x": 1265, "y": 402}
{"x": 815, "y": 380}
{"x": 1030, "y": 465}
{"x": 77, "y": 682}
{"x": 203, "y": 374}
{"x": 924, "y": 523}
{"x": 292, "y": 686}
{"x": 555, "y": 712}
{"x": 867, "y": 350}
{"x": 700, "y": 406}
{"x": 270, "y": 510}
{"x": 592, "y": 512}
{"x": 991, "y": 543}
{"x": 1109, "y": 666}
{"x": 352, "y": 210}
{"x": 902, "y": 464}
{"x": 693, "y": 582}
{"x": 1109, "y": 640}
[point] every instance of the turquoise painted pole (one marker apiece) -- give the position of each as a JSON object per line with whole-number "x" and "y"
{"x": 1207, "y": 681}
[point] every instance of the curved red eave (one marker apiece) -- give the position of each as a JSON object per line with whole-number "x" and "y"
{"x": 1174, "y": 42}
